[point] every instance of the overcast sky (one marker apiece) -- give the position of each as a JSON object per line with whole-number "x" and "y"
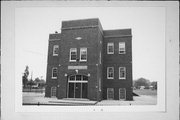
{"x": 34, "y": 24}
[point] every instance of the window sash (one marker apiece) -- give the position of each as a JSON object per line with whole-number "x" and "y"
{"x": 55, "y": 50}
{"x": 122, "y": 93}
{"x": 83, "y": 54}
{"x": 54, "y": 73}
{"x": 73, "y": 54}
{"x": 110, "y": 48}
{"x": 122, "y": 49}
{"x": 111, "y": 91}
{"x": 122, "y": 73}
{"x": 53, "y": 91}
{"x": 110, "y": 73}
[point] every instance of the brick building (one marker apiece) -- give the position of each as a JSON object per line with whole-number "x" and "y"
{"x": 85, "y": 61}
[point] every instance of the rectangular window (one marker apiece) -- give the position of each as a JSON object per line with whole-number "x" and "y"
{"x": 122, "y": 48}
{"x": 110, "y": 48}
{"x": 110, "y": 73}
{"x": 73, "y": 54}
{"x": 122, "y": 73}
{"x": 54, "y": 73}
{"x": 53, "y": 91}
{"x": 55, "y": 50}
{"x": 122, "y": 93}
{"x": 110, "y": 93}
{"x": 83, "y": 54}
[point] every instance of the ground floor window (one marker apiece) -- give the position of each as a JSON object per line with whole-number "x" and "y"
{"x": 110, "y": 93}
{"x": 53, "y": 91}
{"x": 77, "y": 86}
{"x": 122, "y": 93}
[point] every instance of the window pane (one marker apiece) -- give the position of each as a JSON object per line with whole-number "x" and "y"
{"x": 55, "y": 49}
{"x": 110, "y": 48}
{"x": 78, "y": 77}
{"x": 72, "y": 78}
{"x": 110, "y": 72}
{"x": 54, "y": 72}
{"x": 73, "y": 54}
{"x": 122, "y": 72}
{"x": 85, "y": 78}
{"x": 83, "y": 52}
{"x": 121, "y": 48}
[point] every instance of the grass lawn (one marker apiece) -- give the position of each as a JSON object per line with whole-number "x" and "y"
{"x": 148, "y": 92}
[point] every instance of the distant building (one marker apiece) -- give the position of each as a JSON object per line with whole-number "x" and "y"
{"x": 85, "y": 61}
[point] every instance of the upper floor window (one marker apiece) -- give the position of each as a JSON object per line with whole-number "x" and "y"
{"x": 83, "y": 54}
{"x": 122, "y": 49}
{"x": 55, "y": 50}
{"x": 110, "y": 73}
{"x": 110, "y": 48}
{"x": 122, "y": 73}
{"x": 73, "y": 54}
{"x": 54, "y": 72}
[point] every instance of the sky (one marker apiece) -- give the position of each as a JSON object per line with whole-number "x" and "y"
{"x": 34, "y": 24}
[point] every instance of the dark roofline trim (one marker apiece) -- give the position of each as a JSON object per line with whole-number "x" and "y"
{"x": 112, "y": 36}
{"x": 81, "y": 27}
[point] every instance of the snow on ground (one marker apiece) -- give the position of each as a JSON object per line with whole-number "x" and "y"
{"x": 35, "y": 98}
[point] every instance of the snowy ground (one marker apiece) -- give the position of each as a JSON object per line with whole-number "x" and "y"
{"x": 30, "y": 98}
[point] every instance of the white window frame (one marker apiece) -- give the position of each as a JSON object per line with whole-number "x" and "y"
{"x": 71, "y": 50}
{"x": 124, "y": 47}
{"x": 54, "y": 47}
{"x": 110, "y": 44}
{"x": 81, "y": 50}
{"x": 107, "y": 93}
{"x": 108, "y": 73}
{"x": 124, "y": 93}
{"x": 124, "y": 71}
{"x": 52, "y": 72}
{"x": 52, "y": 95}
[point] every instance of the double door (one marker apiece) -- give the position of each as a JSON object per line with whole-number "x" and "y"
{"x": 77, "y": 86}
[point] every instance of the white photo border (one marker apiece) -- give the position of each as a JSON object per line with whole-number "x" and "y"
{"x": 168, "y": 100}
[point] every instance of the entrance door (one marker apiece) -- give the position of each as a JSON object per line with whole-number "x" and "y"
{"x": 78, "y": 90}
{"x": 77, "y": 86}
{"x": 122, "y": 94}
{"x": 110, "y": 93}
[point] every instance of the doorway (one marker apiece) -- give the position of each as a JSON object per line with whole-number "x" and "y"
{"x": 77, "y": 86}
